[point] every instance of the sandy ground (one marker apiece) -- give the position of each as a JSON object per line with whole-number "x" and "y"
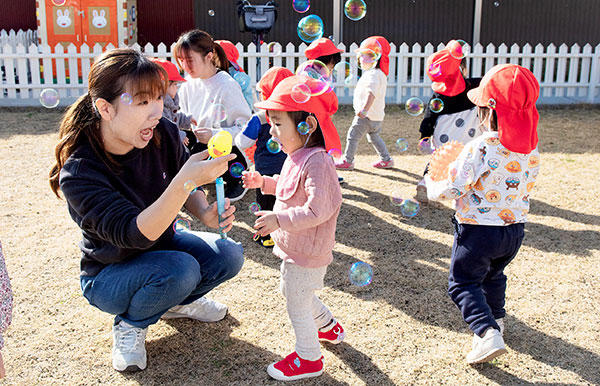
{"x": 401, "y": 329}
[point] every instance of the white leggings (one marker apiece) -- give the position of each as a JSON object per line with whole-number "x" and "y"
{"x": 307, "y": 313}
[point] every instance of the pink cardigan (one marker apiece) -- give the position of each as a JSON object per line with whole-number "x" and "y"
{"x": 308, "y": 203}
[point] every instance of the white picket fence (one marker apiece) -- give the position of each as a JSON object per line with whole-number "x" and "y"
{"x": 566, "y": 75}
{"x": 25, "y": 38}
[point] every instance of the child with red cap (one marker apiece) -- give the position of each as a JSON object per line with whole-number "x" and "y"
{"x": 324, "y": 51}
{"x": 303, "y": 220}
{"x": 171, "y": 109}
{"x": 257, "y": 133}
{"x": 491, "y": 181}
{"x": 455, "y": 117}
{"x": 369, "y": 104}
{"x": 236, "y": 71}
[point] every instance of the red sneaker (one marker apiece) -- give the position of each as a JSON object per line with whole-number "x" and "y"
{"x": 344, "y": 165}
{"x": 333, "y": 335}
{"x": 293, "y": 367}
{"x": 384, "y": 164}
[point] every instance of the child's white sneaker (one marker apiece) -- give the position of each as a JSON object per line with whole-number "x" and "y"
{"x": 486, "y": 348}
{"x": 129, "y": 347}
{"x": 500, "y": 323}
{"x": 203, "y": 309}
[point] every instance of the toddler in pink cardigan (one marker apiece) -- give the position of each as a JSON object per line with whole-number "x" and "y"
{"x": 302, "y": 222}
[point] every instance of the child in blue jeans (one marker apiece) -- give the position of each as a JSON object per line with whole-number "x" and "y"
{"x": 491, "y": 181}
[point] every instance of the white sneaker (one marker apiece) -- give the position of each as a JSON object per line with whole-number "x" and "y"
{"x": 129, "y": 350}
{"x": 487, "y": 348}
{"x": 500, "y": 323}
{"x": 203, "y": 309}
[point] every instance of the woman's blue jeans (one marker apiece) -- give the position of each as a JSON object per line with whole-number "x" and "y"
{"x": 179, "y": 271}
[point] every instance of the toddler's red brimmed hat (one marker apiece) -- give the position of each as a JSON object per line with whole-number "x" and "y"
{"x": 373, "y": 43}
{"x": 232, "y": 53}
{"x": 444, "y": 71}
{"x": 170, "y": 68}
{"x": 271, "y": 79}
{"x": 321, "y": 47}
{"x": 322, "y": 106}
{"x": 511, "y": 91}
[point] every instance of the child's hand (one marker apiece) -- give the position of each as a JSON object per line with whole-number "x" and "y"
{"x": 267, "y": 222}
{"x": 186, "y": 141}
{"x": 203, "y": 134}
{"x": 251, "y": 180}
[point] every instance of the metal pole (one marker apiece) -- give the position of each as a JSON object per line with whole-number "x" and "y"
{"x": 477, "y": 22}
{"x": 337, "y": 21}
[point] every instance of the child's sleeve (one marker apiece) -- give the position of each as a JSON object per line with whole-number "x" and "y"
{"x": 270, "y": 184}
{"x": 6, "y": 299}
{"x": 236, "y": 109}
{"x": 372, "y": 82}
{"x": 249, "y": 134}
{"x": 184, "y": 121}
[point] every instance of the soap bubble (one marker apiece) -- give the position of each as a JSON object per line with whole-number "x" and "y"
{"x": 181, "y": 225}
{"x": 367, "y": 59}
{"x": 218, "y": 113}
{"x": 49, "y": 98}
{"x": 254, "y": 207}
{"x": 303, "y": 128}
{"x": 300, "y": 93}
{"x": 310, "y": 28}
{"x": 342, "y": 69}
{"x": 436, "y": 105}
{"x": 361, "y": 274}
{"x": 491, "y": 103}
{"x": 435, "y": 70}
{"x": 189, "y": 186}
{"x": 273, "y": 146}
{"x": 496, "y": 3}
{"x": 301, "y": 6}
{"x": 409, "y": 208}
{"x": 126, "y": 99}
{"x": 458, "y": 49}
{"x": 424, "y": 146}
{"x": 243, "y": 79}
{"x": 401, "y": 145}
{"x": 414, "y": 106}
{"x": 236, "y": 170}
{"x": 335, "y": 153}
{"x": 396, "y": 198}
{"x": 211, "y": 12}
{"x": 274, "y": 48}
{"x": 319, "y": 76}
{"x": 355, "y": 9}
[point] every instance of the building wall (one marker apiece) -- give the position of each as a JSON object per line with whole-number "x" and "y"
{"x": 18, "y": 15}
{"x": 160, "y": 21}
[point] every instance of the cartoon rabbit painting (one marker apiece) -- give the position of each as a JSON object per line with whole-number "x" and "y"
{"x": 99, "y": 20}
{"x": 62, "y": 19}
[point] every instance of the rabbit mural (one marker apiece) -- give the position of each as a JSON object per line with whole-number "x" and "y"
{"x": 99, "y": 20}
{"x": 62, "y": 19}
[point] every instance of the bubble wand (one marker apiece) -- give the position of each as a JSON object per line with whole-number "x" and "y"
{"x": 219, "y": 145}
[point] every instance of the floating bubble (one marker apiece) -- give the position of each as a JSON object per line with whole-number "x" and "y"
{"x": 414, "y": 106}
{"x": 367, "y": 59}
{"x": 435, "y": 70}
{"x": 319, "y": 76}
{"x": 181, "y": 225}
{"x": 491, "y": 103}
{"x": 126, "y": 99}
{"x": 458, "y": 49}
{"x": 211, "y": 12}
{"x": 355, "y": 9}
{"x": 189, "y": 186}
{"x": 243, "y": 79}
{"x": 424, "y": 146}
{"x": 396, "y": 198}
{"x": 236, "y": 169}
{"x": 342, "y": 70}
{"x": 254, "y": 207}
{"x": 300, "y": 93}
{"x": 58, "y": 3}
{"x": 361, "y": 274}
{"x": 409, "y": 208}
{"x": 218, "y": 113}
{"x": 301, "y": 6}
{"x": 240, "y": 123}
{"x": 496, "y": 3}
{"x": 401, "y": 145}
{"x": 273, "y": 146}
{"x": 436, "y": 105}
{"x": 373, "y": 45}
{"x": 303, "y": 128}
{"x": 310, "y": 28}
{"x": 335, "y": 153}
{"x": 274, "y": 48}
{"x": 49, "y": 98}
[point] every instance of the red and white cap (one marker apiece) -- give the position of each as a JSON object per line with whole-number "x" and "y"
{"x": 321, "y": 47}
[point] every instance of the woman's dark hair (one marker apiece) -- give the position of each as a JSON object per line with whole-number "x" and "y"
{"x": 331, "y": 59}
{"x": 112, "y": 74}
{"x": 484, "y": 112}
{"x": 316, "y": 139}
{"x": 202, "y": 43}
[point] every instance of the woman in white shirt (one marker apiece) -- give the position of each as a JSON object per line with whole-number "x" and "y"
{"x": 212, "y": 96}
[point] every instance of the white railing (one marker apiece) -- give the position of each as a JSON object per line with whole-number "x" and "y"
{"x": 566, "y": 75}
{"x": 25, "y": 38}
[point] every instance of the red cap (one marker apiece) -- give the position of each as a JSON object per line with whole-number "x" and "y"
{"x": 511, "y": 91}
{"x": 373, "y": 43}
{"x": 322, "y": 106}
{"x": 171, "y": 70}
{"x": 321, "y": 47}
{"x": 232, "y": 53}
{"x": 271, "y": 79}
{"x": 444, "y": 71}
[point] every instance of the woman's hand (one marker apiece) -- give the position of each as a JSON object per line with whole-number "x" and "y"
{"x": 202, "y": 134}
{"x": 201, "y": 171}
{"x": 251, "y": 180}
{"x": 210, "y": 216}
{"x": 267, "y": 222}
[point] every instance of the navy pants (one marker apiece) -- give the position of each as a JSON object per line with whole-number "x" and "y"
{"x": 477, "y": 283}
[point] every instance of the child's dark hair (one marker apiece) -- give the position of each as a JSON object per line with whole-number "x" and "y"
{"x": 484, "y": 112}
{"x": 463, "y": 65}
{"x": 331, "y": 59}
{"x": 316, "y": 139}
